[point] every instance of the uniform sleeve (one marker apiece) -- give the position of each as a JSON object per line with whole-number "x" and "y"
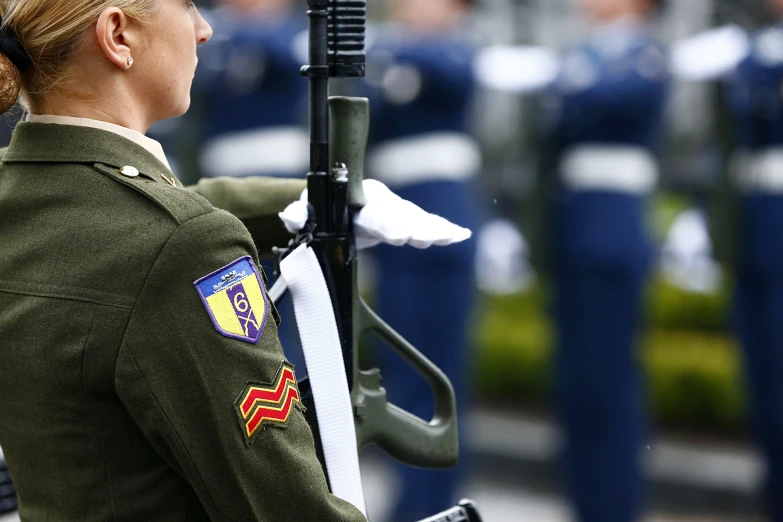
{"x": 711, "y": 55}
{"x": 186, "y": 384}
{"x": 516, "y": 69}
{"x": 256, "y": 201}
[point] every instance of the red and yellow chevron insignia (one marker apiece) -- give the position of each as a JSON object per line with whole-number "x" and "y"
{"x": 269, "y": 404}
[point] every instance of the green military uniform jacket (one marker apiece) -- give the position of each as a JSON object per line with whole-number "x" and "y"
{"x": 121, "y": 397}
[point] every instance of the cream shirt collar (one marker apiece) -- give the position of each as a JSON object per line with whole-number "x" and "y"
{"x": 152, "y": 146}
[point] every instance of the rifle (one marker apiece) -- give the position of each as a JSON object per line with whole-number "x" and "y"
{"x": 339, "y": 128}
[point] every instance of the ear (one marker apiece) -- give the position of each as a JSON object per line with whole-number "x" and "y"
{"x": 112, "y": 32}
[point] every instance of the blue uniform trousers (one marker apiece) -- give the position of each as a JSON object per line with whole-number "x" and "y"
{"x": 600, "y": 272}
{"x": 428, "y": 296}
{"x": 599, "y": 399}
{"x": 759, "y": 314}
{"x": 759, "y": 322}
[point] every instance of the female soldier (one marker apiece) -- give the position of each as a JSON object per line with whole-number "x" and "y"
{"x": 131, "y": 392}
{"x": 756, "y": 103}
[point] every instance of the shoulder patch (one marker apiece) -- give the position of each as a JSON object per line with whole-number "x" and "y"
{"x": 235, "y": 300}
{"x": 262, "y": 405}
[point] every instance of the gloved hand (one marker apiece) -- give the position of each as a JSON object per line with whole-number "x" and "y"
{"x": 386, "y": 218}
{"x": 503, "y": 259}
{"x": 687, "y": 260}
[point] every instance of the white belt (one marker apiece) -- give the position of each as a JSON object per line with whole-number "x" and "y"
{"x": 760, "y": 172}
{"x": 619, "y": 169}
{"x": 274, "y": 150}
{"x": 430, "y": 157}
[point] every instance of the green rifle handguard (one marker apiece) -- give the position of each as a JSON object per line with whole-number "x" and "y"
{"x": 349, "y": 128}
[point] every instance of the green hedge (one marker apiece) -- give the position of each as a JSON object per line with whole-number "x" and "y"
{"x": 692, "y": 366}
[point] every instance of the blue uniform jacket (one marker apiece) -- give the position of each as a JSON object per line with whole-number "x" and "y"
{"x": 419, "y": 85}
{"x": 755, "y": 93}
{"x": 250, "y": 70}
{"x": 611, "y": 94}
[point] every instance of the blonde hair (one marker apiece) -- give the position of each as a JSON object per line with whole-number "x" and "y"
{"x": 51, "y": 32}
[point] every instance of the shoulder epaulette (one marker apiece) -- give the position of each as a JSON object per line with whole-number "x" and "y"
{"x": 181, "y": 204}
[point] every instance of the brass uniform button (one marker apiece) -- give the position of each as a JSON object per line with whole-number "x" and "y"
{"x": 129, "y": 171}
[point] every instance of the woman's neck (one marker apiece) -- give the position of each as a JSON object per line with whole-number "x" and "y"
{"x": 117, "y": 109}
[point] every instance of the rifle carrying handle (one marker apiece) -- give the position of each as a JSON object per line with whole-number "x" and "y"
{"x": 349, "y": 127}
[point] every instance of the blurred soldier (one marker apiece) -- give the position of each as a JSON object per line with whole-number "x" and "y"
{"x": 423, "y": 81}
{"x": 752, "y": 67}
{"x": 250, "y": 103}
{"x": 757, "y": 105}
{"x": 609, "y": 105}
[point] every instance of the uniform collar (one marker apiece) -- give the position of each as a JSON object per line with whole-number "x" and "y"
{"x": 151, "y": 145}
{"x": 59, "y": 143}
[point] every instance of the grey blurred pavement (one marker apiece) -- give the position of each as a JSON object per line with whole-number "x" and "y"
{"x": 683, "y": 475}
{"x": 500, "y": 501}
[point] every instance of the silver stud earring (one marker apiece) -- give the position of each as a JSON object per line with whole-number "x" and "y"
{"x": 130, "y": 62}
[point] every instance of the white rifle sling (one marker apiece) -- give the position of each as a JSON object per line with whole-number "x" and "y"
{"x": 326, "y": 370}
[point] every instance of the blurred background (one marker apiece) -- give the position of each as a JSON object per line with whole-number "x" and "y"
{"x": 698, "y": 456}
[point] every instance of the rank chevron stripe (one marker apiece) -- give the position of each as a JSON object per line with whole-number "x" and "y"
{"x": 279, "y": 413}
{"x": 273, "y": 396}
{"x": 326, "y": 370}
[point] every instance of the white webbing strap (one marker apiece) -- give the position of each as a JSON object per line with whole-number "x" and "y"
{"x": 326, "y": 370}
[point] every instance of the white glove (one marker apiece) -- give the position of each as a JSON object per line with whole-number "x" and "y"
{"x": 386, "y": 218}
{"x": 502, "y": 259}
{"x": 687, "y": 255}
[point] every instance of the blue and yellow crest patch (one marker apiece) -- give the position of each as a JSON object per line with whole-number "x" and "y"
{"x": 235, "y": 300}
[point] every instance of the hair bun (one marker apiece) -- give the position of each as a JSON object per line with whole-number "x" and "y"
{"x": 14, "y": 60}
{"x": 10, "y": 83}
